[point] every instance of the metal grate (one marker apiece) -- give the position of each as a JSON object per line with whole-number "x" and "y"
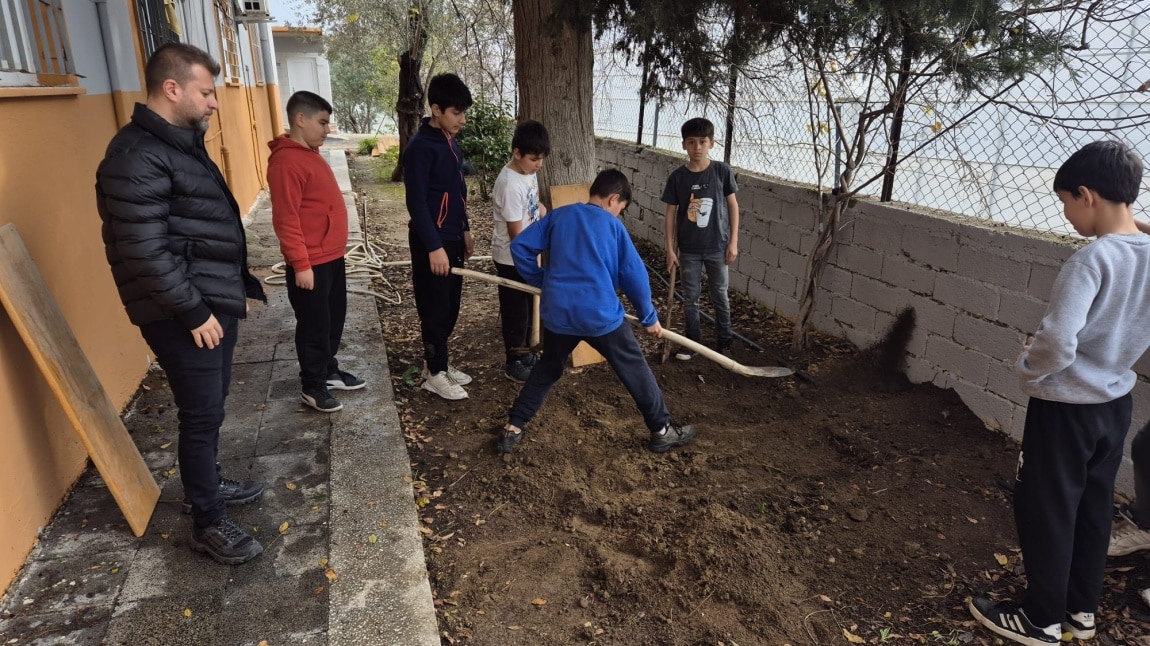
{"x": 34, "y": 38}
{"x": 156, "y": 25}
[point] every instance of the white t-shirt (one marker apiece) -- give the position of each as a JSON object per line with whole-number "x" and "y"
{"x": 515, "y": 198}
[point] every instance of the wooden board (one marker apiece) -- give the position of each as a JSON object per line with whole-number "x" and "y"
{"x": 51, "y": 343}
{"x": 563, "y": 195}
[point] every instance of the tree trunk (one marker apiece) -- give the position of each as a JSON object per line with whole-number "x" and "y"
{"x": 830, "y": 215}
{"x": 553, "y": 65}
{"x": 409, "y": 105}
{"x": 896, "y": 121}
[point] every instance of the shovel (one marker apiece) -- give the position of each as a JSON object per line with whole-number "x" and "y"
{"x": 722, "y": 360}
{"x": 670, "y": 309}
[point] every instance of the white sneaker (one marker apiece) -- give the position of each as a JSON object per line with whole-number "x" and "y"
{"x": 1080, "y": 625}
{"x": 460, "y": 377}
{"x": 443, "y": 385}
{"x": 1127, "y": 538}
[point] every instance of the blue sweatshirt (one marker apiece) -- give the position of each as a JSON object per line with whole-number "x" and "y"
{"x": 1095, "y": 326}
{"x": 436, "y": 192}
{"x": 590, "y": 258}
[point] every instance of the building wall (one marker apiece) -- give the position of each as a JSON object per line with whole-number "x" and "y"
{"x": 51, "y": 141}
{"x": 977, "y": 290}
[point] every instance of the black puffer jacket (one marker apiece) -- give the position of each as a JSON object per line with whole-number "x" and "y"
{"x": 172, "y": 230}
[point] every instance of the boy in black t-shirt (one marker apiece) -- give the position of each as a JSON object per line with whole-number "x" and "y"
{"x": 702, "y": 230}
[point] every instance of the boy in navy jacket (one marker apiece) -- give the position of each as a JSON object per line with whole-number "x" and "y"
{"x": 590, "y": 258}
{"x": 438, "y": 232}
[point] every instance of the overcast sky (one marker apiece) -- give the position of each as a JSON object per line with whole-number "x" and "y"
{"x": 285, "y": 11}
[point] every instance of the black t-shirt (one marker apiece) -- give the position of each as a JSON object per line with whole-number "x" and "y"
{"x": 703, "y": 223}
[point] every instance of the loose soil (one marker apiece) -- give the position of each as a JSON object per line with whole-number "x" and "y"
{"x": 845, "y": 507}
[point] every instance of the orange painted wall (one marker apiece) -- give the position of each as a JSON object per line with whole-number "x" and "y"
{"x": 49, "y": 150}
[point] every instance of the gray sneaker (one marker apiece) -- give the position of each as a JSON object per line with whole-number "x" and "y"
{"x": 517, "y": 370}
{"x": 226, "y": 542}
{"x": 673, "y": 435}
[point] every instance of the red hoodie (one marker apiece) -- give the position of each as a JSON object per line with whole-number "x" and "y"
{"x": 308, "y": 211}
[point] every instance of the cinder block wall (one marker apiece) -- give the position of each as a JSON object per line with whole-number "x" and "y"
{"x": 977, "y": 289}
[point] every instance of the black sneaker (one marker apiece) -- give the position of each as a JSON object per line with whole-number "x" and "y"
{"x": 683, "y": 354}
{"x": 673, "y": 435}
{"x": 235, "y": 493}
{"x": 226, "y": 542}
{"x": 320, "y": 399}
{"x": 508, "y": 439}
{"x": 530, "y": 359}
{"x": 517, "y": 370}
{"x": 340, "y": 380}
{"x": 723, "y": 346}
{"x": 1009, "y": 621}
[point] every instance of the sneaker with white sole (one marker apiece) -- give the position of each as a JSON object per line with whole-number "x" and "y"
{"x": 320, "y": 399}
{"x": 1010, "y": 622}
{"x": 1126, "y": 537}
{"x": 442, "y": 384}
{"x": 460, "y": 377}
{"x": 1079, "y": 624}
{"x": 342, "y": 380}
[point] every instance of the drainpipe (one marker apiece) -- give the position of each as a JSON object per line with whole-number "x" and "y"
{"x": 271, "y": 79}
{"x": 111, "y": 59}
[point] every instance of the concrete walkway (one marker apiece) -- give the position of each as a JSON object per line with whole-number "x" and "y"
{"x": 343, "y": 560}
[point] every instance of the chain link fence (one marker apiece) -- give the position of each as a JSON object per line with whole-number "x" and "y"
{"x": 996, "y": 162}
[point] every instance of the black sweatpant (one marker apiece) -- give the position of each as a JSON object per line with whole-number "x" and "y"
{"x": 1140, "y": 455}
{"x": 514, "y": 314}
{"x": 436, "y": 299}
{"x": 1063, "y": 500}
{"x": 319, "y": 314}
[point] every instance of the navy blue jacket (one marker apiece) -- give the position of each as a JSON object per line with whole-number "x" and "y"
{"x": 436, "y": 192}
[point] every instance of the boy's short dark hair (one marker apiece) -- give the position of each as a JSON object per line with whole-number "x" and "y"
{"x": 1108, "y": 167}
{"x": 308, "y": 103}
{"x": 448, "y": 91}
{"x": 698, "y": 127}
{"x": 531, "y": 138}
{"x": 174, "y": 61}
{"x": 611, "y": 182}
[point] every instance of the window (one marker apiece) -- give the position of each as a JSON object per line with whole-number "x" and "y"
{"x": 257, "y": 56}
{"x": 34, "y": 45}
{"x": 229, "y": 41}
{"x": 158, "y": 24}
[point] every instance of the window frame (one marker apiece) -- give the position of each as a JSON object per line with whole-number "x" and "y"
{"x": 35, "y": 48}
{"x": 229, "y": 40}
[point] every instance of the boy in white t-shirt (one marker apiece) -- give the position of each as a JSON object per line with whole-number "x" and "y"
{"x": 515, "y": 199}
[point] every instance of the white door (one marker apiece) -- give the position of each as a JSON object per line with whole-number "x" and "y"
{"x": 302, "y": 75}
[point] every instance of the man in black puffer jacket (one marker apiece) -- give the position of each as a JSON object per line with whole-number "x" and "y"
{"x": 175, "y": 242}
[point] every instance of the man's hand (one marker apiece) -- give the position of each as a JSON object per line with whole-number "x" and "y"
{"x": 209, "y": 334}
{"x": 440, "y": 265}
{"x": 468, "y": 245}
{"x": 672, "y": 259}
{"x": 732, "y": 251}
{"x": 655, "y": 330}
{"x": 305, "y": 279}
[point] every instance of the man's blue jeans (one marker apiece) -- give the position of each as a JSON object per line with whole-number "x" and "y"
{"x": 199, "y": 380}
{"x": 691, "y": 267}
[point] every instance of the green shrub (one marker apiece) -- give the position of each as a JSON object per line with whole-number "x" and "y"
{"x": 486, "y": 141}
{"x": 386, "y": 162}
{"x": 366, "y": 145}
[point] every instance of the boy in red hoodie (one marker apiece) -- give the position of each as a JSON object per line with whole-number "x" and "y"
{"x": 310, "y": 220}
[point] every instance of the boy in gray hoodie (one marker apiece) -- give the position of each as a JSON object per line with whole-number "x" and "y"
{"x": 1077, "y": 371}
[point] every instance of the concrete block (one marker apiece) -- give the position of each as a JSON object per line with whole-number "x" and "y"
{"x": 994, "y": 411}
{"x": 853, "y": 313}
{"x": 764, "y": 250}
{"x": 900, "y": 272}
{"x": 1040, "y": 247}
{"x": 793, "y": 263}
{"x": 991, "y": 339}
{"x": 930, "y": 250}
{"x": 860, "y": 338}
{"x": 836, "y": 281}
{"x": 1020, "y": 311}
{"x": 966, "y": 364}
{"x": 786, "y": 305}
{"x": 780, "y": 281}
{"x": 1142, "y": 365}
{"x": 919, "y": 370}
{"x": 762, "y": 294}
{"x": 880, "y": 236}
{"x": 860, "y": 260}
{"x": 934, "y": 317}
{"x": 967, "y": 294}
{"x": 1042, "y": 281}
{"x": 751, "y": 266}
{"x": 1017, "y": 424}
{"x": 879, "y": 295}
{"x": 755, "y": 229}
{"x": 974, "y": 262}
{"x": 1002, "y": 381}
{"x": 787, "y": 237}
{"x": 738, "y": 282}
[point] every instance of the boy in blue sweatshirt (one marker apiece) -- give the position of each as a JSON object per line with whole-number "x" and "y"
{"x": 438, "y": 232}
{"x": 1076, "y": 370}
{"x": 590, "y": 258}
